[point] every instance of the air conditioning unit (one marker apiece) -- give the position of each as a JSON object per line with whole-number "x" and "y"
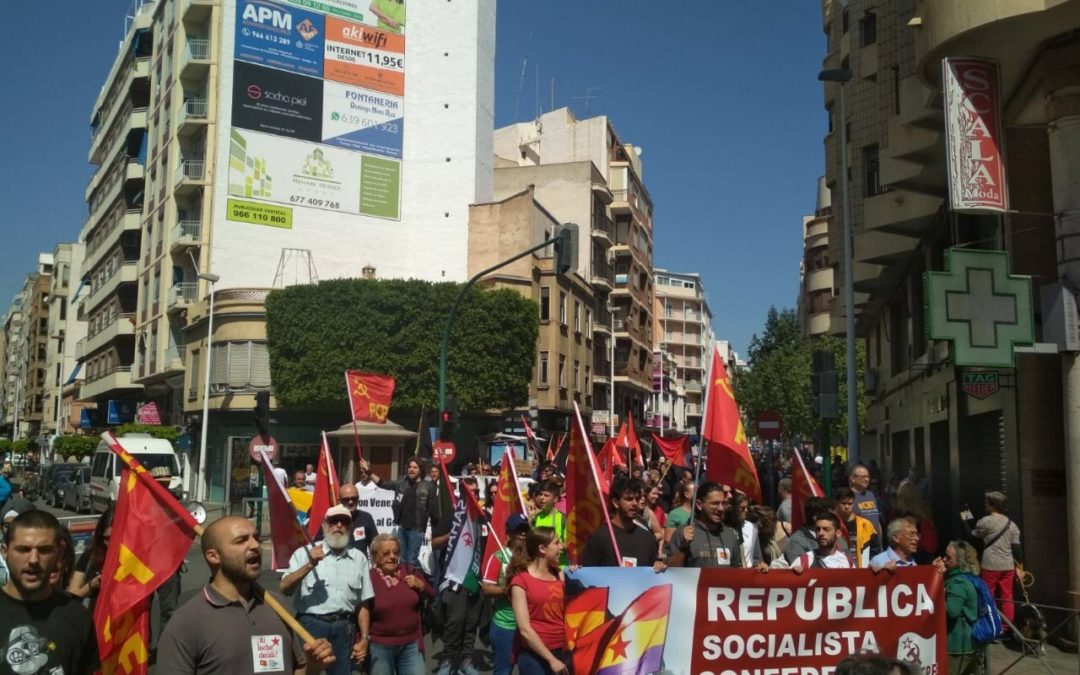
{"x": 871, "y": 381}
{"x": 1060, "y": 322}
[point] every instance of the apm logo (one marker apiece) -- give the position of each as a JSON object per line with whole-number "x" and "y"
{"x": 267, "y": 15}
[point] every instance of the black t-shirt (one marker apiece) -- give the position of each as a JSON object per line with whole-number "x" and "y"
{"x": 637, "y": 546}
{"x": 38, "y": 637}
{"x": 408, "y": 507}
{"x": 363, "y": 530}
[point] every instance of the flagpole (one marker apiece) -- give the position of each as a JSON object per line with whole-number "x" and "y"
{"x": 168, "y": 500}
{"x": 596, "y": 482}
{"x": 702, "y": 445}
{"x": 419, "y": 429}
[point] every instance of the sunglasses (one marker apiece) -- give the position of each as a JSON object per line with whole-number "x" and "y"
{"x": 344, "y": 522}
{"x": 350, "y": 500}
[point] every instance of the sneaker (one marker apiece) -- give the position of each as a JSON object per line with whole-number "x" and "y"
{"x": 467, "y": 668}
{"x": 445, "y": 668}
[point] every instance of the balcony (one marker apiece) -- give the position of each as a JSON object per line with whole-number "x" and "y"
{"x": 124, "y": 273}
{"x": 183, "y": 295}
{"x": 901, "y": 212}
{"x": 601, "y": 274}
{"x": 194, "y": 115}
{"x": 117, "y": 377}
{"x": 602, "y": 322}
{"x": 196, "y": 11}
{"x": 80, "y": 350}
{"x": 138, "y": 68}
{"x": 124, "y": 324}
{"x": 195, "y": 61}
{"x": 603, "y": 229}
{"x": 190, "y": 174}
{"x": 124, "y": 220}
{"x": 184, "y": 234}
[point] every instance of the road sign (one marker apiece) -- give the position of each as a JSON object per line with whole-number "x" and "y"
{"x": 769, "y": 424}
{"x": 269, "y": 445}
{"x": 444, "y": 450}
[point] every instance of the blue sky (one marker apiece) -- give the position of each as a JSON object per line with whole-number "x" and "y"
{"x": 721, "y": 96}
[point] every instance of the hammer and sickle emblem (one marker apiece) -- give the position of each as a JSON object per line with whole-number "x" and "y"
{"x": 360, "y": 388}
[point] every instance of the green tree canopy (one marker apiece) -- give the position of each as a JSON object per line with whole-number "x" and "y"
{"x": 394, "y": 327}
{"x": 168, "y": 433}
{"x": 76, "y": 446}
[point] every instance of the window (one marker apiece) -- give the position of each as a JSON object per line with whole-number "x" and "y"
{"x": 562, "y": 308}
{"x": 545, "y": 304}
{"x": 543, "y": 368}
{"x": 588, "y": 377}
{"x": 577, "y": 373}
{"x": 845, "y": 21}
{"x": 577, "y": 316}
{"x": 868, "y": 28}
{"x": 240, "y": 365}
{"x": 588, "y": 321}
{"x": 562, "y": 371}
{"x": 872, "y": 169}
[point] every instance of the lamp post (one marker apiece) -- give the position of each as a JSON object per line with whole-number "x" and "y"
{"x": 842, "y": 76}
{"x": 201, "y": 486}
{"x": 611, "y": 372}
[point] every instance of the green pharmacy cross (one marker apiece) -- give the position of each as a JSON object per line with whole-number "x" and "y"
{"x": 981, "y": 308}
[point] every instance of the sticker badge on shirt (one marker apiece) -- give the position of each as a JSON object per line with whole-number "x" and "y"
{"x": 723, "y": 556}
{"x": 268, "y": 653}
{"x": 629, "y": 562}
{"x": 359, "y": 534}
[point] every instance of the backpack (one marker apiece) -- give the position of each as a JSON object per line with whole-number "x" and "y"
{"x": 987, "y": 626}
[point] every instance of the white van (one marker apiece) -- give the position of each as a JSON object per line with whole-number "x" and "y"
{"x": 106, "y": 467}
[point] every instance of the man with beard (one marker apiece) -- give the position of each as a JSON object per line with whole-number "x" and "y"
{"x": 227, "y": 629}
{"x": 637, "y": 545}
{"x": 706, "y": 542}
{"x": 827, "y": 554}
{"x": 41, "y": 630}
{"x": 333, "y": 581}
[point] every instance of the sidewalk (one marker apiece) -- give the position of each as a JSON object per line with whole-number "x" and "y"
{"x": 1054, "y": 661}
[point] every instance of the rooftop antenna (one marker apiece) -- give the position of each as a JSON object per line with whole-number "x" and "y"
{"x": 299, "y": 262}
{"x": 521, "y": 84}
{"x": 588, "y": 97}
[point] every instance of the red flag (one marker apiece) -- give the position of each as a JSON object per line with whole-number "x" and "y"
{"x": 674, "y": 448}
{"x": 369, "y": 395}
{"x": 507, "y": 500}
{"x": 803, "y": 486}
{"x": 584, "y": 613}
{"x": 551, "y": 450}
{"x": 151, "y": 534}
{"x": 628, "y": 440}
{"x": 286, "y": 532}
{"x": 584, "y": 499}
{"x": 326, "y": 489}
{"x": 728, "y": 456}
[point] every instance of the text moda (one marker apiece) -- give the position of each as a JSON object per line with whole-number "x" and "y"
{"x": 833, "y": 603}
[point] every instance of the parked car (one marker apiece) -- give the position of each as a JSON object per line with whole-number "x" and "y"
{"x": 52, "y": 477}
{"x": 106, "y": 467}
{"x": 77, "y": 490}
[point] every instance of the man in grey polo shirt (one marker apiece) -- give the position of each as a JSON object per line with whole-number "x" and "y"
{"x": 227, "y": 629}
{"x": 331, "y": 580}
{"x": 706, "y": 542}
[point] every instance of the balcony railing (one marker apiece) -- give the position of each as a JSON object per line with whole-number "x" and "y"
{"x": 187, "y": 232}
{"x": 190, "y": 169}
{"x": 183, "y": 293}
{"x": 197, "y": 49}
{"x": 601, "y": 269}
{"x": 195, "y": 108}
{"x": 603, "y": 224}
{"x": 108, "y": 371}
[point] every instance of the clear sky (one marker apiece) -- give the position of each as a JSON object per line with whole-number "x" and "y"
{"x": 721, "y": 96}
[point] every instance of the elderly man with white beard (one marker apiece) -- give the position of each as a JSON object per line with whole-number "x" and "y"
{"x": 333, "y": 582}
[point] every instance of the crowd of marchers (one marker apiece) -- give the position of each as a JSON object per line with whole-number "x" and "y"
{"x": 369, "y": 601}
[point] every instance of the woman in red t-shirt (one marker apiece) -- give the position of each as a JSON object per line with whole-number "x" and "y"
{"x": 536, "y": 594}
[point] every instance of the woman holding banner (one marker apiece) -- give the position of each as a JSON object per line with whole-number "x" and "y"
{"x": 536, "y": 594}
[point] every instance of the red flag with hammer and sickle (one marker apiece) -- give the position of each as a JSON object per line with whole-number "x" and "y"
{"x": 369, "y": 395}
{"x": 728, "y": 456}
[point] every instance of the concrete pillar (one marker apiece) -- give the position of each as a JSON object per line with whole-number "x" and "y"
{"x": 1063, "y": 107}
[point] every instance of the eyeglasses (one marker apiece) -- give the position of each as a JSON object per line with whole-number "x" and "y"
{"x": 350, "y": 500}
{"x": 343, "y": 522}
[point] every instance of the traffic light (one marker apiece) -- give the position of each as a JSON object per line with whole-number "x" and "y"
{"x": 566, "y": 249}
{"x": 262, "y": 413}
{"x": 824, "y": 385}
{"x": 447, "y": 422}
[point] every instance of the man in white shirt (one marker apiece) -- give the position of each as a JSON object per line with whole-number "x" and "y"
{"x": 826, "y": 555}
{"x": 309, "y": 478}
{"x": 333, "y": 581}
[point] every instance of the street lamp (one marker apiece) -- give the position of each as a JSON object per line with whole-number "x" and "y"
{"x": 201, "y": 485}
{"x": 611, "y": 371}
{"x": 842, "y": 76}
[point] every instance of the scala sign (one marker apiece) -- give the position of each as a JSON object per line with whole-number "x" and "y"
{"x": 973, "y": 135}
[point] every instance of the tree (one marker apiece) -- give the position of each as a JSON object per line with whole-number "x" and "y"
{"x": 168, "y": 433}
{"x": 394, "y": 327}
{"x": 77, "y": 446}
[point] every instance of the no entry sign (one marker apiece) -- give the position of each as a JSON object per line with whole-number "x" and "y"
{"x": 769, "y": 424}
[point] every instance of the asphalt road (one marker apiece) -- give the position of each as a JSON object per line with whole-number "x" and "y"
{"x": 197, "y": 574}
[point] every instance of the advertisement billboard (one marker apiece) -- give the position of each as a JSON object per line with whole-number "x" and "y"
{"x": 277, "y": 35}
{"x": 364, "y": 56}
{"x": 276, "y": 102}
{"x": 361, "y": 119}
{"x": 973, "y": 135}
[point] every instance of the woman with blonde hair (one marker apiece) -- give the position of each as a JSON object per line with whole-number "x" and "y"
{"x": 961, "y": 607}
{"x": 536, "y": 594}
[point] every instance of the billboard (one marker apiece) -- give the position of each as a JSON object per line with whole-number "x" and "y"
{"x": 276, "y": 35}
{"x": 317, "y": 110}
{"x": 973, "y": 135}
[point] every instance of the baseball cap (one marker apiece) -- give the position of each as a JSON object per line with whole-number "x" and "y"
{"x": 515, "y": 522}
{"x": 338, "y": 511}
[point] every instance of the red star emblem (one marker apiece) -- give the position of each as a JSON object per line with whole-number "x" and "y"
{"x": 618, "y": 646}
{"x": 275, "y": 642}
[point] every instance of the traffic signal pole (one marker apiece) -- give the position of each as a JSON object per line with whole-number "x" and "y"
{"x": 558, "y": 241}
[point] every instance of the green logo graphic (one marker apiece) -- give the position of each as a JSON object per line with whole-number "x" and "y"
{"x": 316, "y": 165}
{"x": 248, "y": 176}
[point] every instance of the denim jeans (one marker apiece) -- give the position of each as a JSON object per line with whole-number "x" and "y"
{"x": 399, "y": 660}
{"x": 411, "y": 541}
{"x": 340, "y": 635}
{"x": 502, "y": 649}
{"x": 531, "y": 664}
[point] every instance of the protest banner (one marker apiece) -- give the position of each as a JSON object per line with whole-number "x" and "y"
{"x": 748, "y": 623}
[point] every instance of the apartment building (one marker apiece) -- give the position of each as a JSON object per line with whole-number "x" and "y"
{"x": 13, "y": 364}
{"x": 816, "y": 289}
{"x": 65, "y": 332}
{"x": 683, "y": 326}
{"x": 969, "y": 428}
{"x": 584, "y": 173}
{"x": 35, "y": 327}
{"x": 564, "y": 370}
{"x": 224, "y": 158}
